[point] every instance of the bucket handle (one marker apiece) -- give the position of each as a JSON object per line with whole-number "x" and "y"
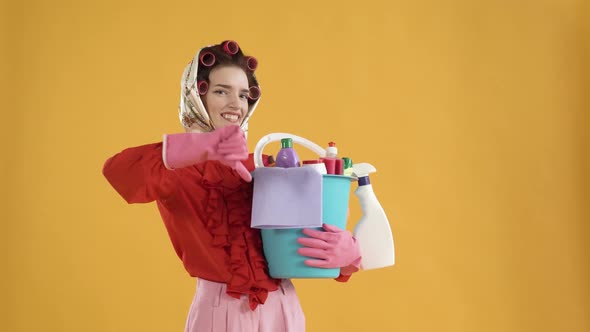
{"x": 275, "y": 137}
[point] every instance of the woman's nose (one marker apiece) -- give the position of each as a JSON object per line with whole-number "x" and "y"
{"x": 234, "y": 101}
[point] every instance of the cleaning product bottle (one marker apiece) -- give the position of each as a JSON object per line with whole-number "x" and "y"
{"x": 372, "y": 231}
{"x": 287, "y": 157}
{"x": 331, "y": 158}
{"x": 347, "y": 166}
{"x": 315, "y": 164}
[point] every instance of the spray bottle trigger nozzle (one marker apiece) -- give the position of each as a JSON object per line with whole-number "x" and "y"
{"x": 362, "y": 169}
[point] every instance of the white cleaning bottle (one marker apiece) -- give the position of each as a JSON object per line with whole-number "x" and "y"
{"x": 372, "y": 231}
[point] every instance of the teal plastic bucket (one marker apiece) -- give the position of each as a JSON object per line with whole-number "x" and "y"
{"x": 280, "y": 245}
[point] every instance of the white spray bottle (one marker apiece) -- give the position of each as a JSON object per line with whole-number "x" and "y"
{"x": 372, "y": 231}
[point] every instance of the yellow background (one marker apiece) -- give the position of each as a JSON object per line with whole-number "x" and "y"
{"x": 475, "y": 114}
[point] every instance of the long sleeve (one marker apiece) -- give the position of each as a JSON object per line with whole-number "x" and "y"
{"x": 138, "y": 174}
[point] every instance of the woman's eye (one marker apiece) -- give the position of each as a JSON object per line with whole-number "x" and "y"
{"x": 244, "y": 96}
{"x": 219, "y": 92}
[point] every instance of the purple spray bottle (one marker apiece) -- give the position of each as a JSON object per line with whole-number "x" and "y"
{"x": 287, "y": 157}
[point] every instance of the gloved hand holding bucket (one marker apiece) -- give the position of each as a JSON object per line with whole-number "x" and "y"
{"x": 302, "y": 216}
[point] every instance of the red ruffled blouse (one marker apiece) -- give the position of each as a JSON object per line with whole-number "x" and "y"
{"x": 206, "y": 209}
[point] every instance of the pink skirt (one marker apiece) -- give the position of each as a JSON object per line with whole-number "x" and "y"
{"x": 213, "y": 310}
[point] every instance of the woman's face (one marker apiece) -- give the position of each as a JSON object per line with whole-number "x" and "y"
{"x": 226, "y": 99}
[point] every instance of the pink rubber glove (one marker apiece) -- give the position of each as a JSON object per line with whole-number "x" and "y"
{"x": 334, "y": 248}
{"x": 226, "y": 144}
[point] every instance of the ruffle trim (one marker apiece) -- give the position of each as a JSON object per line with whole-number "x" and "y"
{"x": 230, "y": 199}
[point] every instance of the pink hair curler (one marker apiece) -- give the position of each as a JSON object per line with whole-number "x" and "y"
{"x": 230, "y": 47}
{"x": 254, "y": 92}
{"x": 202, "y": 87}
{"x": 252, "y": 63}
{"x": 207, "y": 59}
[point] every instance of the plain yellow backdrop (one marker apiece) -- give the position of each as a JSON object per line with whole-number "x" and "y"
{"x": 475, "y": 114}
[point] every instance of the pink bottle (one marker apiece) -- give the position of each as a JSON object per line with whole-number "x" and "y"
{"x": 331, "y": 159}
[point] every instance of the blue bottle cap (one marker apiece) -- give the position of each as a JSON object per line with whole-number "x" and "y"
{"x": 364, "y": 180}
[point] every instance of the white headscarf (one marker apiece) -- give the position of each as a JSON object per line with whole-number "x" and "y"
{"x": 192, "y": 112}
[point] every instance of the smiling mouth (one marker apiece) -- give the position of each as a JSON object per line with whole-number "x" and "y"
{"x": 231, "y": 117}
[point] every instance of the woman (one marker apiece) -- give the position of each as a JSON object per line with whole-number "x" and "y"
{"x": 200, "y": 181}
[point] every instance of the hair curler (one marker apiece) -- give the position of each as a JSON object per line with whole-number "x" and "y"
{"x": 230, "y": 47}
{"x": 207, "y": 59}
{"x": 252, "y": 63}
{"x": 254, "y": 92}
{"x": 202, "y": 87}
